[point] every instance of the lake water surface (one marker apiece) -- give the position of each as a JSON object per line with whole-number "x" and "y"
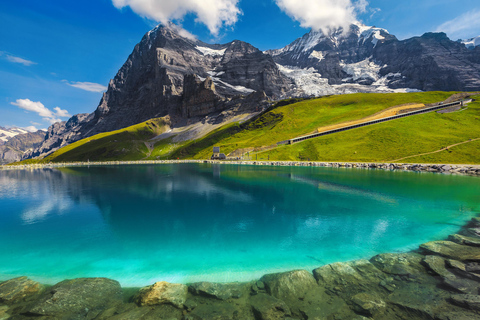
{"x": 201, "y": 222}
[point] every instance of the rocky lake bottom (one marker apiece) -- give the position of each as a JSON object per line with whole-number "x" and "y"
{"x": 440, "y": 280}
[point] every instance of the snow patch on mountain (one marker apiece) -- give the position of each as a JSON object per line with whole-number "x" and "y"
{"x": 317, "y": 55}
{"x": 365, "y": 69}
{"x": 219, "y": 82}
{"x": 307, "y": 81}
{"x": 472, "y": 43}
{"x": 210, "y": 52}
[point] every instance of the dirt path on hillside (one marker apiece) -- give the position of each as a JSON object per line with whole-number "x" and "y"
{"x": 437, "y": 151}
{"x": 392, "y": 111}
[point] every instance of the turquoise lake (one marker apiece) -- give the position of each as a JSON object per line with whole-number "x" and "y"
{"x": 201, "y": 222}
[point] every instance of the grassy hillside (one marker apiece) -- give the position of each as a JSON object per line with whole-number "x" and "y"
{"x": 285, "y": 122}
{"x": 389, "y": 141}
{"x": 123, "y": 144}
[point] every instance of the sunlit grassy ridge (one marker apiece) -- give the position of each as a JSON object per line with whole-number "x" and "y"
{"x": 123, "y": 144}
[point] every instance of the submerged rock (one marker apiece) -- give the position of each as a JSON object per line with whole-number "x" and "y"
{"x": 349, "y": 277}
{"x": 401, "y": 264}
{"x": 221, "y": 291}
{"x": 452, "y": 250}
{"x": 367, "y": 304}
{"x": 18, "y": 289}
{"x": 468, "y": 301}
{"x": 289, "y": 285}
{"x": 3, "y": 313}
{"x": 219, "y": 310}
{"x": 162, "y": 293}
{"x": 75, "y": 299}
{"x": 462, "y": 285}
{"x": 437, "y": 265}
{"x": 461, "y": 239}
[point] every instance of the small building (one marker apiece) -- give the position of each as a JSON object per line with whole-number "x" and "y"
{"x": 217, "y": 155}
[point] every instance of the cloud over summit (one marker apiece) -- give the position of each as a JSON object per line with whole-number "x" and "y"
{"x": 215, "y": 14}
{"x": 323, "y": 15}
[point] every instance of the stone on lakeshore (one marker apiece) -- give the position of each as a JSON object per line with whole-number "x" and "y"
{"x": 462, "y": 269}
{"x": 367, "y": 304}
{"x": 3, "y": 313}
{"x": 134, "y": 314}
{"x": 468, "y": 301}
{"x": 349, "y": 277}
{"x": 437, "y": 265}
{"x": 471, "y": 232}
{"x": 18, "y": 289}
{"x": 419, "y": 298}
{"x": 219, "y": 310}
{"x": 461, "y": 239}
{"x": 472, "y": 267}
{"x": 74, "y": 299}
{"x": 475, "y": 222}
{"x": 401, "y": 264}
{"x": 457, "y": 316}
{"x": 266, "y": 307}
{"x": 162, "y": 293}
{"x": 462, "y": 285}
{"x": 452, "y": 250}
{"x": 289, "y": 285}
{"x": 221, "y": 291}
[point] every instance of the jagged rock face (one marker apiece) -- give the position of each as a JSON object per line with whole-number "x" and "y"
{"x": 199, "y": 97}
{"x": 60, "y": 134}
{"x": 151, "y": 82}
{"x": 431, "y": 62}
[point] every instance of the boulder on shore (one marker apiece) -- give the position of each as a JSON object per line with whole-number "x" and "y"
{"x": 77, "y": 298}
{"x": 162, "y": 293}
{"x": 289, "y": 285}
{"x": 220, "y": 291}
{"x": 18, "y": 289}
{"x": 452, "y": 250}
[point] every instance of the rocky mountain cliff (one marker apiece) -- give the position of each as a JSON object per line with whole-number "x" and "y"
{"x": 193, "y": 82}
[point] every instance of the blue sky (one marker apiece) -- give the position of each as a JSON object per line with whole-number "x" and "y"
{"x": 57, "y": 56}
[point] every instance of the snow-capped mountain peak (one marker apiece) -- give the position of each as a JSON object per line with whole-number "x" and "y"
{"x": 7, "y": 133}
{"x": 472, "y": 43}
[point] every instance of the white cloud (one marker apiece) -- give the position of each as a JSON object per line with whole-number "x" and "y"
{"x": 87, "y": 86}
{"x": 61, "y": 113}
{"x": 41, "y": 110}
{"x": 215, "y": 14}
{"x": 31, "y": 129}
{"x": 464, "y": 26}
{"x": 323, "y": 15}
{"x": 15, "y": 59}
